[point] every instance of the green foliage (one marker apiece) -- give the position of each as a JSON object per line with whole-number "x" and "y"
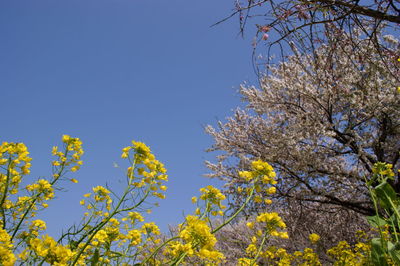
{"x": 385, "y": 249}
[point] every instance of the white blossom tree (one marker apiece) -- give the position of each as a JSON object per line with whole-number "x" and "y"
{"x": 303, "y": 21}
{"x": 303, "y": 13}
{"x": 322, "y": 120}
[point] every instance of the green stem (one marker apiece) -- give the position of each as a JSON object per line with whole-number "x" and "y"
{"x": 208, "y": 208}
{"x": 394, "y": 208}
{"x": 157, "y": 249}
{"x": 97, "y": 228}
{"x": 180, "y": 258}
{"x": 34, "y": 201}
{"x": 76, "y": 232}
{"x": 377, "y": 215}
{"x": 237, "y": 212}
{"x": 260, "y": 248}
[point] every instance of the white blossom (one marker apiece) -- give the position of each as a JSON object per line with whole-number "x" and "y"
{"x": 321, "y": 120}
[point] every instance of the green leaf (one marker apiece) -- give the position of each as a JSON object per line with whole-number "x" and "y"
{"x": 376, "y": 221}
{"x": 384, "y": 192}
{"x": 378, "y": 252}
{"x": 387, "y": 188}
{"x": 393, "y": 219}
{"x": 394, "y": 252}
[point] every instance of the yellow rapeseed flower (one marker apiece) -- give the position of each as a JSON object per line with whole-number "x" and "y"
{"x": 65, "y": 138}
{"x": 313, "y": 238}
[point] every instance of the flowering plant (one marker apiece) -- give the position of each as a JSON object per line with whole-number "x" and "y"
{"x": 113, "y": 230}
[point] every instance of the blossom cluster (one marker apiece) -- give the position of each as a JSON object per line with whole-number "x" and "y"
{"x": 262, "y": 175}
{"x": 69, "y": 158}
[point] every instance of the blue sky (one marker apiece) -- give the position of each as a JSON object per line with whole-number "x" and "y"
{"x": 109, "y": 72}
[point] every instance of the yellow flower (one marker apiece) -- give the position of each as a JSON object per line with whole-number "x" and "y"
{"x": 194, "y": 200}
{"x": 7, "y": 257}
{"x": 176, "y": 249}
{"x": 268, "y": 201}
{"x": 212, "y": 194}
{"x": 37, "y": 225}
{"x": 54, "y": 150}
{"x": 135, "y": 237}
{"x": 246, "y": 175}
{"x": 65, "y": 138}
{"x": 135, "y": 216}
{"x": 257, "y": 199}
{"x": 283, "y": 235}
{"x": 74, "y": 169}
{"x": 159, "y": 195}
{"x": 271, "y": 218}
{"x": 101, "y": 236}
{"x": 313, "y": 238}
{"x": 150, "y": 228}
{"x": 271, "y": 190}
{"x": 197, "y": 231}
{"x": 251, "y": 249}
{"x": 246, "y": 262}
{"x": 51, "y": 251}
{"x": 250, "y": 225}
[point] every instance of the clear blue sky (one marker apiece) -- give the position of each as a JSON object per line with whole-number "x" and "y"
{"x": 116, "y": 70}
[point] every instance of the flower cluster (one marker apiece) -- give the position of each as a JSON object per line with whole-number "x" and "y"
{"x": 345, "y": 254}
{"x": 7, "y": 257}
{"x": 69, "y": 158}
{"x": 51, "y": 252}
{"x": 269, "y": 224}
{"x": 314, "y": 238}
{"x": 16, "y": 157}
{"x": 279, "y": 256}
{"x": 42, "y": 187}
{"x": 150, "y": 172}
{"x": 383, "y": 169}
{"x": 213, "y": 198}
{"x": 36, "y": 226}
{"x": 262, "y": 175}
{"x": 15, "y": 161}
{"x": 260, "y": 168}
{"x": 197, "y": 240}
